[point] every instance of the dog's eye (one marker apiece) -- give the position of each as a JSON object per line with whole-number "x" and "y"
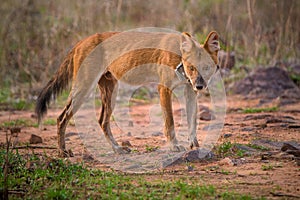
{"x": 191, "y": 68}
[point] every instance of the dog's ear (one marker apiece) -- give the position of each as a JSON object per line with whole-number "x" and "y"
{"x": 212, "y": 44}
{"x": 186, "y": 43}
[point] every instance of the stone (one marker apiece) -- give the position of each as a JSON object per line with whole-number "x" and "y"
{"x": 226, "y": 161}
{"x": 205, "y": 114}
{"x": 126, "y": 143}
{"x": 198, "y": 155}
{"x": 288, "y": 146}
{"x": 14, "y": 131}
{"x": 88, "y": 157}
{"x": 130, "y": 123}
{"x": 226, "y": 59}
{"x": 193, "y": 156}
{"x": 248, "y": 129}
{"x": 69, "y": 134}
{"x": 297, "y": 160}
{"x": 256, "y": 117}
{"x": 267, "y": 83}
{"x": 291, "y": 149}
{"x": 295, "y": 126}
{"x": 156, "y": 134}
{"x": 227, "y": 135}
{"x": 35, "y": 139}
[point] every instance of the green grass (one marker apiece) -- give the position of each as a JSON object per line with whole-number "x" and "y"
{"x": 42, "y": 177}
{"x": 151, "y": 148}
{"x": 15, "y": 104}
{"x": 50, "y": 122}
{"x": 18, "y": 122}
{"x": 229, "y": 149}
{"x": 295, "y": 78}
{"x": 258, "y": 147}
{"x": 259, "y": 110}
{"x": 26, "y": 123}
{"x": 267, "y": 167}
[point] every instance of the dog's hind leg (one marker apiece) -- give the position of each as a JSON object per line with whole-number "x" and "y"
{"x": 165, "y": 95}
{"x": 107, "y": 85}
{"x": 62, "y": 122}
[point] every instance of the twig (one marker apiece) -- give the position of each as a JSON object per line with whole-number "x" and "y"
{"x": 16, "y": 191}
{"x": 280, "y": 194}
{"x": 5, "y": 167}
{"x": 34, "y": 147}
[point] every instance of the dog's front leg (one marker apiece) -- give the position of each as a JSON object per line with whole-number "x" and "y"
{"x": 191, "y": 109}
{"x": 165, "y": 95}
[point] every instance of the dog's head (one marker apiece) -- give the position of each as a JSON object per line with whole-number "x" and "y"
{"x": 200, "y": 61}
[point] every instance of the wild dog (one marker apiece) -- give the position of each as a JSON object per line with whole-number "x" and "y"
{"x": 197, "y": 64}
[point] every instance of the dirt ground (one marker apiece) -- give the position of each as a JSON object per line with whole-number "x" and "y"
{"x": 269, "y": 172}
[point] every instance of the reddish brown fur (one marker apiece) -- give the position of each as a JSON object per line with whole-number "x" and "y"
{"x": 69, "y": 69}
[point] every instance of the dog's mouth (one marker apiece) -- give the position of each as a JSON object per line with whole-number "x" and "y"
{"x": 200, "y": 84}
{"x": 199, "y": 88}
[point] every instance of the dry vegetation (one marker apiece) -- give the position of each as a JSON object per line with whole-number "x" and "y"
{"x": 35, "y": 35}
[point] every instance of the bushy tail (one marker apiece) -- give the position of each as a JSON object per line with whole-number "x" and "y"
{"x": 55, "y": 86}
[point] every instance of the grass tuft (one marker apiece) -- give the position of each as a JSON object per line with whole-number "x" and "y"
{"x": 42, "y": 177}
{"x": 259, "y": 110}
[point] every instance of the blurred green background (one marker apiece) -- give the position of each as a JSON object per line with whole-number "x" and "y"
{"x": 36, "y": 34}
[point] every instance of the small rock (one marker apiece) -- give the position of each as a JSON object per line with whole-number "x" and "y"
{"x": 272, "y": 145}
{"x": 190, "y": 168}
{"x": 297, "y": 160}
{"x": 70, "y": 153}
{"x": 248, "y": 129}
{"x": 156, "y": 134}
{"x": 294, "y": 126}
{"x": 198, "y": 155}
{"x": 267, "y": 83}
{"x": 35, "y": 139}
{"x": 206, "y": 116}
{"x": 126, "y": 143}
{"x": 129, "y": 134}
{"x": 266, "y": 156}
{"x": 280, "y": 119}
{"x": 130, "y": 123}
{"x": 263, "y": 125}
{"x": 295, "y": 68}
{"x": 247, "y": 150}
{"x": 256, "y": 117}
{"x": 69, "y": 134}
{"x": 14, "y": 131}
{"x": 290, "y": 149}
{"x": 288, "y": 146}
{"x": 88, "y": 157}
{"x": 33, "y": 116}
{"x": 226, "y": 59}
{"x": 226, "y": 161}
{"x": 227, "y": 135}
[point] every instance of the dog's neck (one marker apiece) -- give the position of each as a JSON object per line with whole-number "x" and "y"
{"x": 181, "y": 73}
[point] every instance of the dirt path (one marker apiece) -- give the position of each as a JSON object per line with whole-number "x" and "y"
{"x": 261, "y": 170}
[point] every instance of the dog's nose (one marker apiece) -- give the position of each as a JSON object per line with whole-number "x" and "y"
{"x": 199, "y": 87}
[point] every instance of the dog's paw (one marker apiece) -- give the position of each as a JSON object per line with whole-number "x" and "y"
{"x": 121, "y": 150}
{"x": 63, "y": 153}
{"x": 194, "y": 143}
{"x": 177, "y": 148}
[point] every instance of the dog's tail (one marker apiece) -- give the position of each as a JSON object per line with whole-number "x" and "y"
{"x": 55, "y": 86}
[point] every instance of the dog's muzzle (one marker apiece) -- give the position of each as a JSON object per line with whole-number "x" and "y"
{"x": 200, "y": 83}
